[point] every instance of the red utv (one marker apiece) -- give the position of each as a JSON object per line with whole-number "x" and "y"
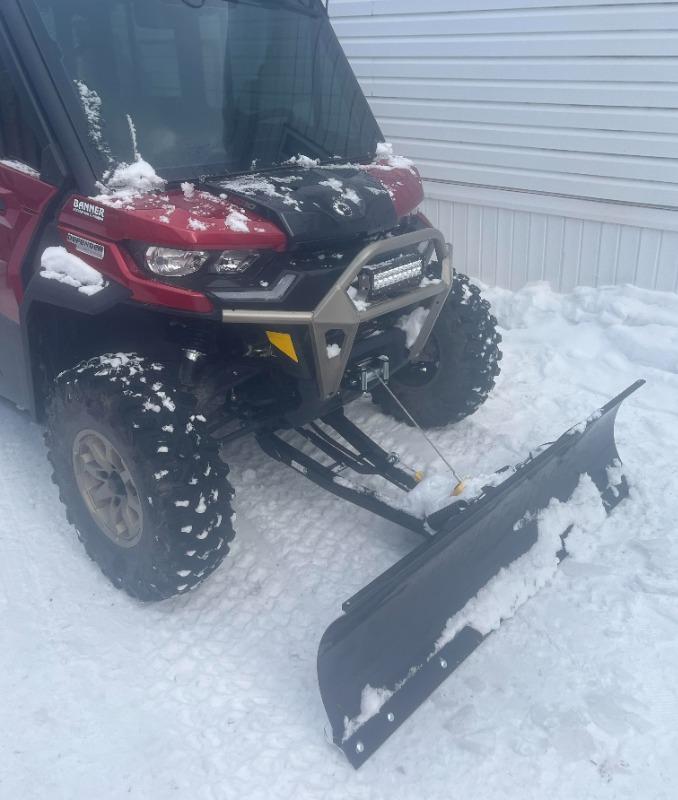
{"x": 203, "y": 236}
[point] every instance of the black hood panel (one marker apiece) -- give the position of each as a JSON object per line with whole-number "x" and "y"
{"x": 316, "y": 205}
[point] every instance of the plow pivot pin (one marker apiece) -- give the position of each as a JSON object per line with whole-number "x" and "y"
{"x": 443, "y": 663}
{"x": 390, "y": 716}
{"x": 359, "y": 747}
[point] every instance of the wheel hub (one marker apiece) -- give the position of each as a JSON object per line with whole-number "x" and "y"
{"x": 107, "y": 488}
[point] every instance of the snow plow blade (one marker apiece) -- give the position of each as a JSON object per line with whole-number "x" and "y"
{"x": 384, "y": 656}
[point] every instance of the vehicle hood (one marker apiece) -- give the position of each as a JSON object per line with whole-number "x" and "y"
{"x": 297, "y": 206}
{"x": 318, "y": 204}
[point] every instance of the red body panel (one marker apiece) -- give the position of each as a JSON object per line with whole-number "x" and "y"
{"x": 403, "y": 184}
{"x": 24, "y": 199}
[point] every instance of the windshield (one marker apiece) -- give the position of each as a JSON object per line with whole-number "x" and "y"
{"x": 206, "y": 87}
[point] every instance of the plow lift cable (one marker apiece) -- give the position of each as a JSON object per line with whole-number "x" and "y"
{"x": 459, "y": 488}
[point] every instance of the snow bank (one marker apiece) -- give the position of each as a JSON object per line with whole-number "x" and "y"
{"x": 607, "y": 306}
{"x": 644, "y": 324}
{"x": 57, "y": 264}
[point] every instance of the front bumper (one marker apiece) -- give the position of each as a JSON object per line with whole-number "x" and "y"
{"x": 337, "y": 312}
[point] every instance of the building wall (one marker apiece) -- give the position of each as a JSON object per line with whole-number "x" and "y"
{"x": 547, "y": 132}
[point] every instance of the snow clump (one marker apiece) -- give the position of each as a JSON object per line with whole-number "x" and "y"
{"x": 57, "y": 264}
{"x": 412, "y": 324}
{"x": 237, "y": 221}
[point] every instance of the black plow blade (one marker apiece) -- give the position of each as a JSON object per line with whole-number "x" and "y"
{"x": 404, "y": 633}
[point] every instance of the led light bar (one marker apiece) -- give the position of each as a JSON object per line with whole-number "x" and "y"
{"x": 381, "y": 278}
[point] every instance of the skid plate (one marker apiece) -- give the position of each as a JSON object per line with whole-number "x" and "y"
{"x": 387, "y": 636}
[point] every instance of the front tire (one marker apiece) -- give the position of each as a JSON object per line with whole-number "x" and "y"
{"x": 141, "y": 479}
{"x": 457, "y": 368}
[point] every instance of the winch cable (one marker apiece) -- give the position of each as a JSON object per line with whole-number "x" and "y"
{"x": 459, "y": 488}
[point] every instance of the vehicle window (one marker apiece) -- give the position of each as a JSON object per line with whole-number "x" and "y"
{"x": 18, "y": 141}
{"x": 208, "y": 86}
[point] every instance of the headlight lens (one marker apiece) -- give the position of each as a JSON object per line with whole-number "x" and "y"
{"x": 174, "y": 263}
{"x": 232, "y": 262}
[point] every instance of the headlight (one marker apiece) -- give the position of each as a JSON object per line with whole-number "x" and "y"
{"x": 232, "y": 261}
{"x": 175, "y": 263}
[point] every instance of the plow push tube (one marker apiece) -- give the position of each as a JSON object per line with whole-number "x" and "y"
{"x": 387, "y": 638}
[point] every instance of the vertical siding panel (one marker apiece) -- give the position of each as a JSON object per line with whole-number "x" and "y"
{"x": 511, "y": 248}
{"x": 555, "y": 229}
{"x": 488, "y": 250}
{"x": 648, "y": 254}
{"x": 503, "y": 256}
{"x": 430, "y": 208}
{"x": 627, "y": 259}
{"x": 535, "y": 253}
{"x": 459, "y": 257}
{"x": 519, "y": 249}
{"x": 609, "y": 248}
{"x": 587, "y": 272}
{"x": 473, "y": 226}
{"x": 667, "y": 265}
{"x": 572, "y": 241}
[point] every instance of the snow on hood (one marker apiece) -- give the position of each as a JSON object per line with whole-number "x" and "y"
{"x": 129, "y": 181}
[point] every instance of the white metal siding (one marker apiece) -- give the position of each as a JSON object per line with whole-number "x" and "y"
{"x": 564, "y": 98}
{"x": 511, "y": 247}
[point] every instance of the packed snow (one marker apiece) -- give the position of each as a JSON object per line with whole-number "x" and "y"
{"x": 57, "y": 264}
{"x": 213, "y": 694}
{"x": 371, "y": 702}
{"x": 128, "y": 181}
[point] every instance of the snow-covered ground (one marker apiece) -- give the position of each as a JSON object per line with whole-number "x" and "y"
{"x": 214, "y": 695}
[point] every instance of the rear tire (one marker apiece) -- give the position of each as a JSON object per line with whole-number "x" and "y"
{"x": 458, "y": 366}
{"x": 122, "y": 433}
